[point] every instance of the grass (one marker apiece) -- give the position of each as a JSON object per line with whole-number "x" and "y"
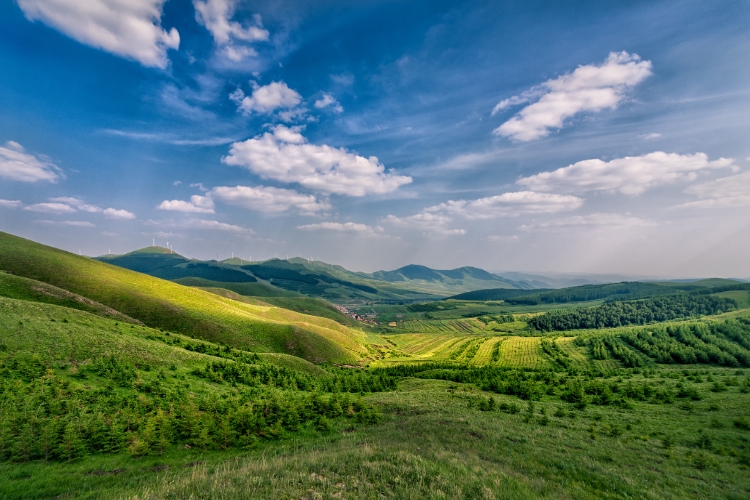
{"x": 686, "y": 436}
{"x": 303, "y": 305}
{"x": 63, "y": 335}
{"x": 188, "y": 310}
{"x": 431, "y": 445}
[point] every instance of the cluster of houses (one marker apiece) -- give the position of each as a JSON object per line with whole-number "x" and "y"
{"x": 364, "y": 318}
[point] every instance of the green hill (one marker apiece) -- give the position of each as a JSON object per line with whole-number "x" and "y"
{"x": 163, "y": 304}
{"x": 314, "y": 278}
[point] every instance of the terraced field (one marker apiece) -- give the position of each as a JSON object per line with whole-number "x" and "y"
{"x": 522, "y": 352}
{"x": 442, "y": 326}
{"x": 506, "y": 351}
{"x": 485, "y": 352}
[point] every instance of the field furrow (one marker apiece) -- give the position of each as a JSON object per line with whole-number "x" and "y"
{"x": 522, "y": 352}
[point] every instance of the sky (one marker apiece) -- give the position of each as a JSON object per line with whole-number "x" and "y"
{"x": 535, "y": 136}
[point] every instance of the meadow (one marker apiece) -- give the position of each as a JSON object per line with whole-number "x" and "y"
{"x": 101, "y": 397}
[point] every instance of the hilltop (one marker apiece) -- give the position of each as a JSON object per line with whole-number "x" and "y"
{"x": 298, "y": 276}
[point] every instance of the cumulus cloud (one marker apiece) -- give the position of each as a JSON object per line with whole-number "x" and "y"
{"x": 130, "y": 29}
{"x": 284, "y": 155}
{"x": 51, "y": 208}
{"x": 10, "y": 204}
{"x": 590, "y": 221}
{"x": 589, "y": 88}
{"x": 18, "y": 165}
{"x": 630, "y": 175}
{"x": 197, "y": 205}
{"x": 328, "y": 101}
{"x": 216, "y": 16}
{"x": 346, "y": 227}
{"x": 426, "y": 222}
{"x": 112, "y": 213}
{"x": 266, "y": 99}
{"x": 727, "y": 192}
{"x": 508, "y": 205}
{"x": 269, "y": 199}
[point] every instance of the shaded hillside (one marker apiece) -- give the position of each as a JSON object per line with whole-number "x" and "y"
{"x": 415, "y": 272}
{"x": 172, "y": 266}
{"x": 163, "y": 304}
{"x": 495, "y": 294}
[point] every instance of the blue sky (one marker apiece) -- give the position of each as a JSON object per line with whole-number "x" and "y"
{"x": 530, "y": 136}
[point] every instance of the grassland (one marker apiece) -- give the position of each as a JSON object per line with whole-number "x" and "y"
{"x": 460, "y": 400}
{"x": 432, "y": 444}
{"x": 163, "y": 304}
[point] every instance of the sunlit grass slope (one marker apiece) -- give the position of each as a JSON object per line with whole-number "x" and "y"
{"x": 163, "y": 304}
{"x": 301, "y": 304}
{"x": 63, "y": 335}
{"x": 17, "y": 287}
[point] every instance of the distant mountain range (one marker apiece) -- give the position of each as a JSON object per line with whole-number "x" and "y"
{"x": 277, "y": 277}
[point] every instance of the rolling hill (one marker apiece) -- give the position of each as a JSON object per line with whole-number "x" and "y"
{"x": 174, "y": 307}
{"x": 296, "y": 277}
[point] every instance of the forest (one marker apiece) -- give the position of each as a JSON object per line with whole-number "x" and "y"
{"x": 637, "y": 312}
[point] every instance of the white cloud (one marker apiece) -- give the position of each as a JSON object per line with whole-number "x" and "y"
{"x": 212, "y": 225}
{"x": 649, "y": 136}
{"x": 176, "y": 183}
{"x": 328, "y": 100}
{"x": 427, "y": 223}
{"x": 319, "y": 168}
{"x": 112, "y": 213}
{"x": 727, "y": 192}
{"x": 18, "y": 165}
{"x": 77, "y": 223}
{"x": 266, "y": 99}
{"x": 588, "y": 88}
{"x": 10, "y": 204}
{"x": 346, "y": 227}
{"x": 51, "y": 208}
{"x": 78, "y": 204}
{"x": 199, "y": 185}
{"x": 216, "y": 16}
{"x": 269, "y": 199}
{"x": 630, "y": 175}
{"x": 197, "y": 205}
{"x": 129, "y": 28}
{"x": 509, "y": 205}
{"x": 590, "y": 221}
{"x": 495, "y": 238}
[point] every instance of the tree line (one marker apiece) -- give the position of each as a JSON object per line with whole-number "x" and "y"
{"x": 637, "y": 312}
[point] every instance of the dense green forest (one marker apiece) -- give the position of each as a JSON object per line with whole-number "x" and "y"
{"x": 636, "y": 312}
{"x": 612, "y": 291}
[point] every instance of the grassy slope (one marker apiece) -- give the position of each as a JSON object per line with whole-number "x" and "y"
{"x": 258, "y": 289}
{"x": 17, "y": 287}
{"x": 431, "y": 446}
{"x": 163, "y": 304}
{"x": 61, "y": 334}
{"x": 304, "y": 305}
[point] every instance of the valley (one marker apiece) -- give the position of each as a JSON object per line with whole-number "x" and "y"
{"x": 123, "y": 384}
